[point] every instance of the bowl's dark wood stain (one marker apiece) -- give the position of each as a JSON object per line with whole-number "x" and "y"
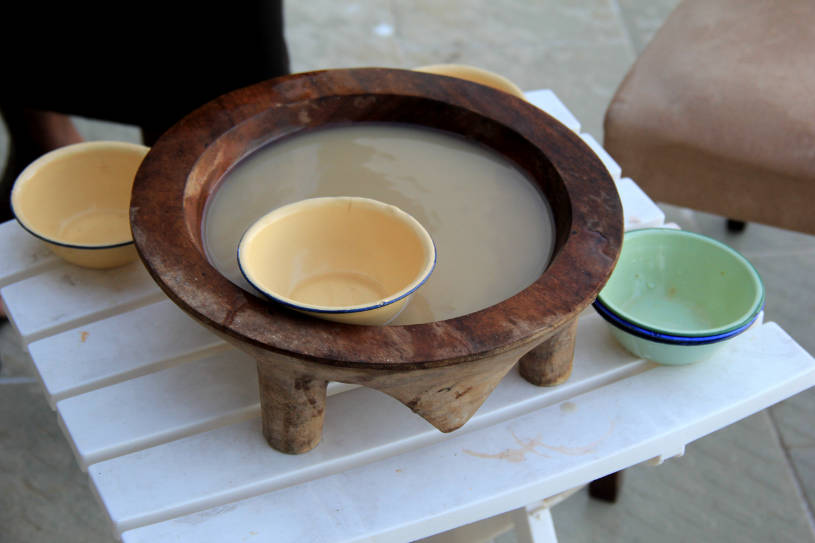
{"x": 443, "y": 370}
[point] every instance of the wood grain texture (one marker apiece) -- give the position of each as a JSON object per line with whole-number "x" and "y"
{"x": 184, "y": 168}
{"x": 550, "y": 363}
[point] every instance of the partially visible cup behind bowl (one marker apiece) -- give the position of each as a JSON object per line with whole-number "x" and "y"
{"x": 77, "y": 199}
{"x": 474, "y": 74}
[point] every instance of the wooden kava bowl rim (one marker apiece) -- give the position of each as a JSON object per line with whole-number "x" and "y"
{"x": 184, "y": 166}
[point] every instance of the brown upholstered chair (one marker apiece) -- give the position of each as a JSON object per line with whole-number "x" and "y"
{"x": 718, "y": 112}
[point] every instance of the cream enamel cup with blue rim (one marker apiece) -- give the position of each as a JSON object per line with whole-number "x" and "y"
{"x": 346, "y": 259}
{"x": 77, "y": 199}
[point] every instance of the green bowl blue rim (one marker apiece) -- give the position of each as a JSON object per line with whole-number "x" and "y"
{"x": 666, "y": 339}
{"x": 756, "y": 308}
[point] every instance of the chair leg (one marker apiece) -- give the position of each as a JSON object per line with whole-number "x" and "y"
{"x": 534, "y": 526}
{"x": 607, "y": 489}
{"x": 736, "y": 226}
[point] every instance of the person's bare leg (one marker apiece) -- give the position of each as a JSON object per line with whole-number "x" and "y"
{"x": 51, "y": 130}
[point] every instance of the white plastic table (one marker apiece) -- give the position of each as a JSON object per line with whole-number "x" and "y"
{"x": 164, "y": 416}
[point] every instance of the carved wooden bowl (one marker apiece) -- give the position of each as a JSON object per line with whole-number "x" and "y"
{"x": 443, "y": 370}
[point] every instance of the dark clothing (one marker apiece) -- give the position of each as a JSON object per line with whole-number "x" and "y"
{"x": 147, "y": 67}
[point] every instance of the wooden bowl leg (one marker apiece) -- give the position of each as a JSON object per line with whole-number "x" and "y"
{"x": 292, "y": 407}
{"x": 448, "y": 396}
{"x": 550, "y": 363}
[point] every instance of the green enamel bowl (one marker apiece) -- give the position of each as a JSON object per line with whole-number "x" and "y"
{"x": 680, "y": 289}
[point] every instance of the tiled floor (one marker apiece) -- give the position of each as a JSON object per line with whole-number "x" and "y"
{"x": 754, "y": 481}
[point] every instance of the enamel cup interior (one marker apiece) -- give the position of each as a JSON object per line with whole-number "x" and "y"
{"x": 77, "y": 199}
{"x": 79, "y": 194}
{"x": 681, "y": 283}
{"x": 332, "y": 256}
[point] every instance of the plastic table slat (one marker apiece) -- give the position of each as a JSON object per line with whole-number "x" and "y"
{"x": 502, "y": 467}
{"x": 121, "y": 347}
{"x": 67, "y": 295}
{"x": 376, "y": 422}
{"x": 21, "y": 254}
{"x": 611, "y": 165}
{"x": 548, "y": 101}
{"x": 164, "y": 406}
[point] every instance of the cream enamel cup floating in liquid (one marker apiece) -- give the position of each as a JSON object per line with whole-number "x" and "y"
{"x": 77, "y": 199}
{"x": 345, "y": 259}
